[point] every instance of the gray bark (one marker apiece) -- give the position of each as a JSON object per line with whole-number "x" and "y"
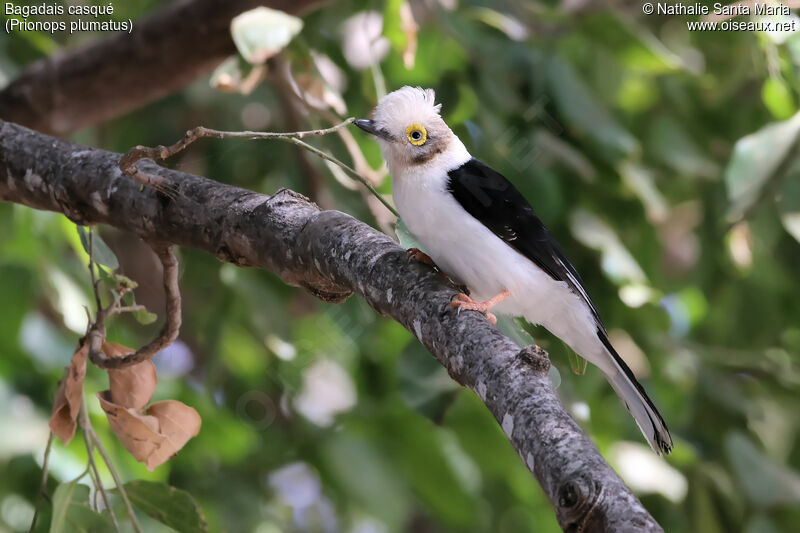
{"x": 110, "y": 76}
{"x": 334, "y": 255}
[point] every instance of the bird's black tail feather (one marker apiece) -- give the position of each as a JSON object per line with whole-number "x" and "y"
{"x": 638, "y": 403}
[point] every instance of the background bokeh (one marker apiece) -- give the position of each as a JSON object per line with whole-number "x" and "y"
{"x": 662, "y": 159}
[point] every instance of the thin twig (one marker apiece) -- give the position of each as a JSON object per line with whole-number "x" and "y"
{"x": 95, "y": 281}
{"x": 94, "y": 474}
{"x": 96, "y": 337}
{"x": 385, "y": 219}
{"x": 43, "y": 485}
{"x": 172, "y": 324}
{"x": 127, "y": 162}
{"x": 361, "y": 179}
{"x": 314, "y": 180}
{"x": 117, "y": 480}
{"x": 321, "y": 108}
{"x": 98, "y": 483}
{"x": 362, "y": 168}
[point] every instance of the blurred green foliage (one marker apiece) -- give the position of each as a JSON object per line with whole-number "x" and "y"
{"x": 665, "y": 162}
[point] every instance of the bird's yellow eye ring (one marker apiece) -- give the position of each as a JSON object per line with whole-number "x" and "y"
{"x": 416, "y": 134}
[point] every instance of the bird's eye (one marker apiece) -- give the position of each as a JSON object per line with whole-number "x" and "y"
{"x": 416, "y": 134}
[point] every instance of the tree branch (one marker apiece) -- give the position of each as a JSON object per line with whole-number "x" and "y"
{"x": 333, "y": 255}
{"x": 164, "y": 52}
{"x": 127, "y": 164}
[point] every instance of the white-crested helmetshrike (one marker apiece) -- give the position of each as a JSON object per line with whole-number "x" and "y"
{"x": 479, "y": 230}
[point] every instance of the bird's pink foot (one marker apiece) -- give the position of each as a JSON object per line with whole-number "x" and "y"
{"x": 462, "y": 301}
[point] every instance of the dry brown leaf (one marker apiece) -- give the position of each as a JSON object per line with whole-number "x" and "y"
{"x": 138, "y": 432}
{"x": 178, "y": 423}
{"x": 132, "y": 386}
{"x": 155, "y": 436}
{"x": 152, "y": 437}
{"x": 67, "y": 404}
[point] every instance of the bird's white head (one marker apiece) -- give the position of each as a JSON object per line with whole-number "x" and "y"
{"x": 410, "y": 131}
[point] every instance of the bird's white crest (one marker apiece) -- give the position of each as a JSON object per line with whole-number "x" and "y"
{"x": 407, "y": 105}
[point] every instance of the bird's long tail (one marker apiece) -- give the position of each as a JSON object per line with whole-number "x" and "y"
{"x": 635, "y": 398}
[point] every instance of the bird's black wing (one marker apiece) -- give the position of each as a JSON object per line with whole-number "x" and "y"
{"x": 494, "y": 201}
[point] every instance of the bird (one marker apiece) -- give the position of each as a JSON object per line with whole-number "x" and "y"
{"x": 479, "y": 230}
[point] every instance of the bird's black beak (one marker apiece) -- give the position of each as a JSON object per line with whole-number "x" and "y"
{"x": 370, "y": 127}
{"x": 366, "y": 125}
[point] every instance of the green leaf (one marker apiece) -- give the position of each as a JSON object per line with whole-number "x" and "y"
{"x": 143, "y": 316}
{"x": 513, "y": 28}
{"x": 465, "y": 108}
{"x": 446, "y": 483}
{"x": 514, "y": 330}
{"x": 424, "y": 384}
{"x": 434, "y": 56}
{"x": 762, "y": 481}
{"x": 101, "y": 253}
{"x": 705, "y": 516}
{"x": 72, "y": 513}
{"x": 173, "y": 507}
{"x": 789, "y": 204}
{"x": 642, "y": 182}
{"x": 124, "y": 281}
{"x": 761, "y": 523}
{"x": 482, "y": 438}
{"x": 778, "y": 98}
{"x": 636, "y": 93}
{"x": 61, "y": 502}
{"x": 262, "y": 32}
{"x": 576, "y": 363}
{"x": 584, "y": 113}
{"x": 404, "y": 235}
{"x": 39, "y": 40}
{"x": 377, "y": 488}
{"x": 759, "y": 159}
{"x": 393, "y": 25}
{"x": 670, "y": 143}
{"x": 562, "y": 151}
{"x": 617, "y": 261}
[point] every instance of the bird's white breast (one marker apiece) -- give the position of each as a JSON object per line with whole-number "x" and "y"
{"x": 461, "y": 245}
